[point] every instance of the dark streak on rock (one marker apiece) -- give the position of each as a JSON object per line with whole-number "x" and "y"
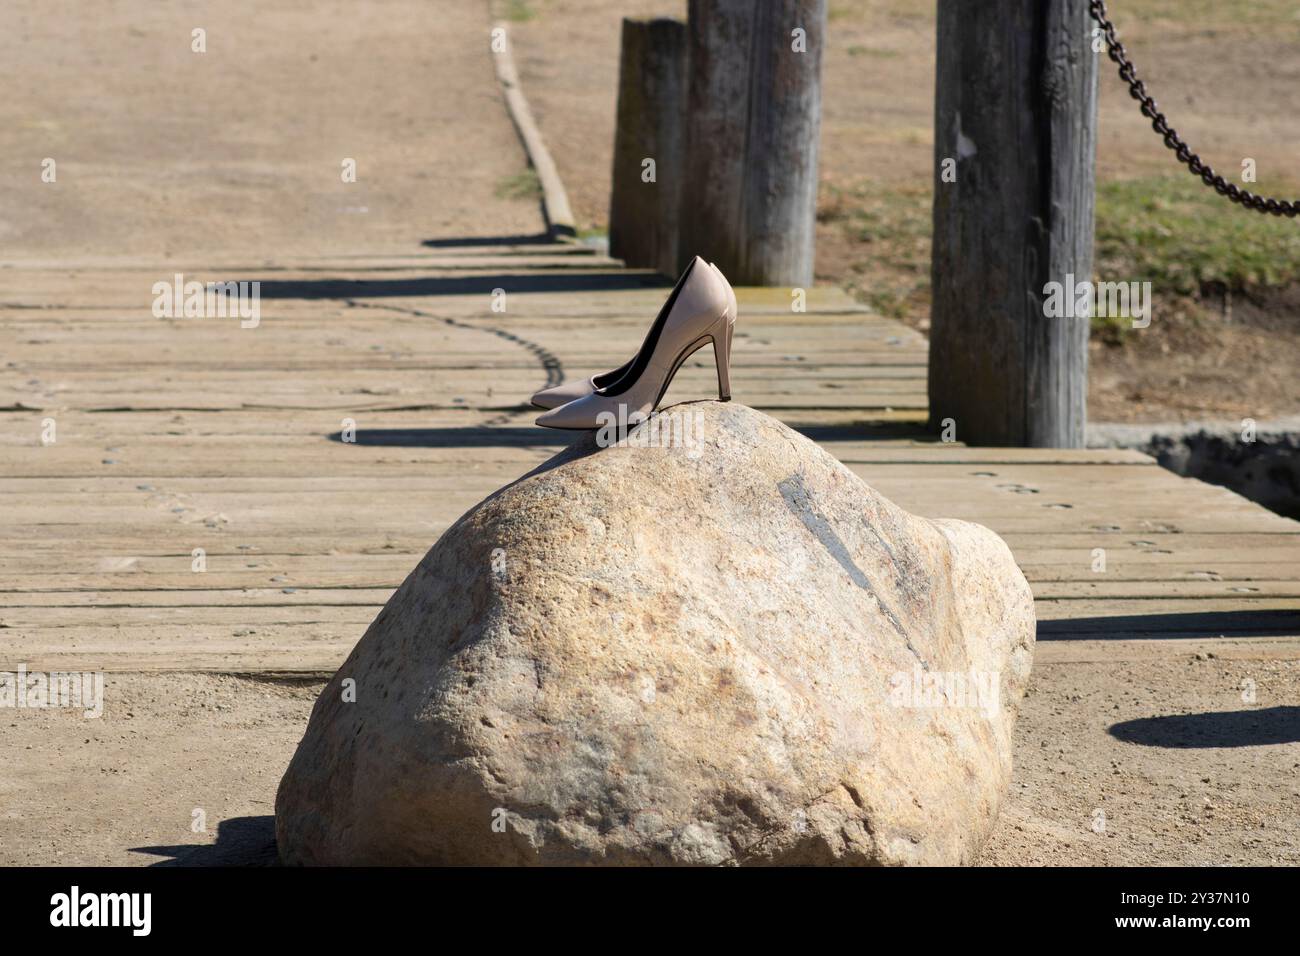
{"x": 798, "y": 500}
{"x": 796, "y": 497}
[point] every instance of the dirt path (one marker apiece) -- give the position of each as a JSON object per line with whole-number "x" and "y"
{"x": 164, "y": 152}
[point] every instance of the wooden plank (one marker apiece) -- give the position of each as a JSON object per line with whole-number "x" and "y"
{"x": 346, "y": 588}
{"x": 448, "y": 256}
{"x": 175, "y": 621}
{"x": 21, "y": 602}
{"x": 226, "y": 572}
{"x": 1056, "y": 653}
{"x": 244, "y": 453}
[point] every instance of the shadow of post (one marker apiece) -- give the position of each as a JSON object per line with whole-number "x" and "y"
{"x": 1247, "y": 622}
{"x": 518, "y": 282}
{"x": 479, "y": 242}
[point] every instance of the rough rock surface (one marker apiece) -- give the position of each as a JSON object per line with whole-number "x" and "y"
{"x": 722, "y": 652}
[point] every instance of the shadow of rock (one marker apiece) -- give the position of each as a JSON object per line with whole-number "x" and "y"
{"x": 1231, "y": 728}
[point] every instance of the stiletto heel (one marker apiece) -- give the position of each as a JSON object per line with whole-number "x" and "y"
{"x": 701, "y": 308}
{"x": 571, "y": 391}
{"x": 722, "y": 356}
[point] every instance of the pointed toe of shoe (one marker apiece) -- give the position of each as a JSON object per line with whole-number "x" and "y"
{"x": 547, "y": 419}
{"x": 583, "y": 414}
{"x": 562, "y": 394}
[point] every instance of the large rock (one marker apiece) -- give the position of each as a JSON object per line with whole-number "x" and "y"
{"x": 728, "y": 651}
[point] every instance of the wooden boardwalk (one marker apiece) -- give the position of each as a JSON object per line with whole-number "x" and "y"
{"x": 171, "y": 435}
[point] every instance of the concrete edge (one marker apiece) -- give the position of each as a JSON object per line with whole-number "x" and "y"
{"x": 1134, "y": 435}
{"x": 555, "y": 201}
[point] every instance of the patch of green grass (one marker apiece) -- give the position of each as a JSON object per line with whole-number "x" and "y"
{"x": 1112, "y": 329}
{"x": 1211, "y": 13}
{"x": 1185, "y": 238}
{"x": 518, "y": 11}
{"x": 523, "y": 185}
{"x": 858, "y": 50}
{"x": 1170, "y": 230}
{"x": 1280, "y": 17}
{"x": 892, "y": 225}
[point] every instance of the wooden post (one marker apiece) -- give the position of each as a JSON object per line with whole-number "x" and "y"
{"x": 1015, "y": 136}
{"x": 648, "y": 145}
{"x": 752, "y": 129}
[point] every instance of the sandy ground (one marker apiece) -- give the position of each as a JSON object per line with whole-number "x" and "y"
{"x": 1155, "y": 762}
{"x": 1225, "y": 73}
{"x": 1115, "y": 766}
{"x": 164, "y": 152}
{"x": 171, "y": 752}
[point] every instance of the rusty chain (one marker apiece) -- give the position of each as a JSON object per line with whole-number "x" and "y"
{"x": 1198, "y": 167}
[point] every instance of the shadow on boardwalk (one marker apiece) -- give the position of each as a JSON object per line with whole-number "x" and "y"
{"x": 462, "y": 284}
{"x": 1246, "y": 622}
{"x": 535, "y": 239}
{"x": 488, "y": 436}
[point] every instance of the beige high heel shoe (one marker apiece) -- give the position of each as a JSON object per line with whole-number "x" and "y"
{"x": 567, "y": 392}
{"x": 700, "y": 310}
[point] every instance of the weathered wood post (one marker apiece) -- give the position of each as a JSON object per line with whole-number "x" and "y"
{"x": 752, "y": 129}
{"x": 649, "y": 144}
{"x": 1015, "y": 135}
